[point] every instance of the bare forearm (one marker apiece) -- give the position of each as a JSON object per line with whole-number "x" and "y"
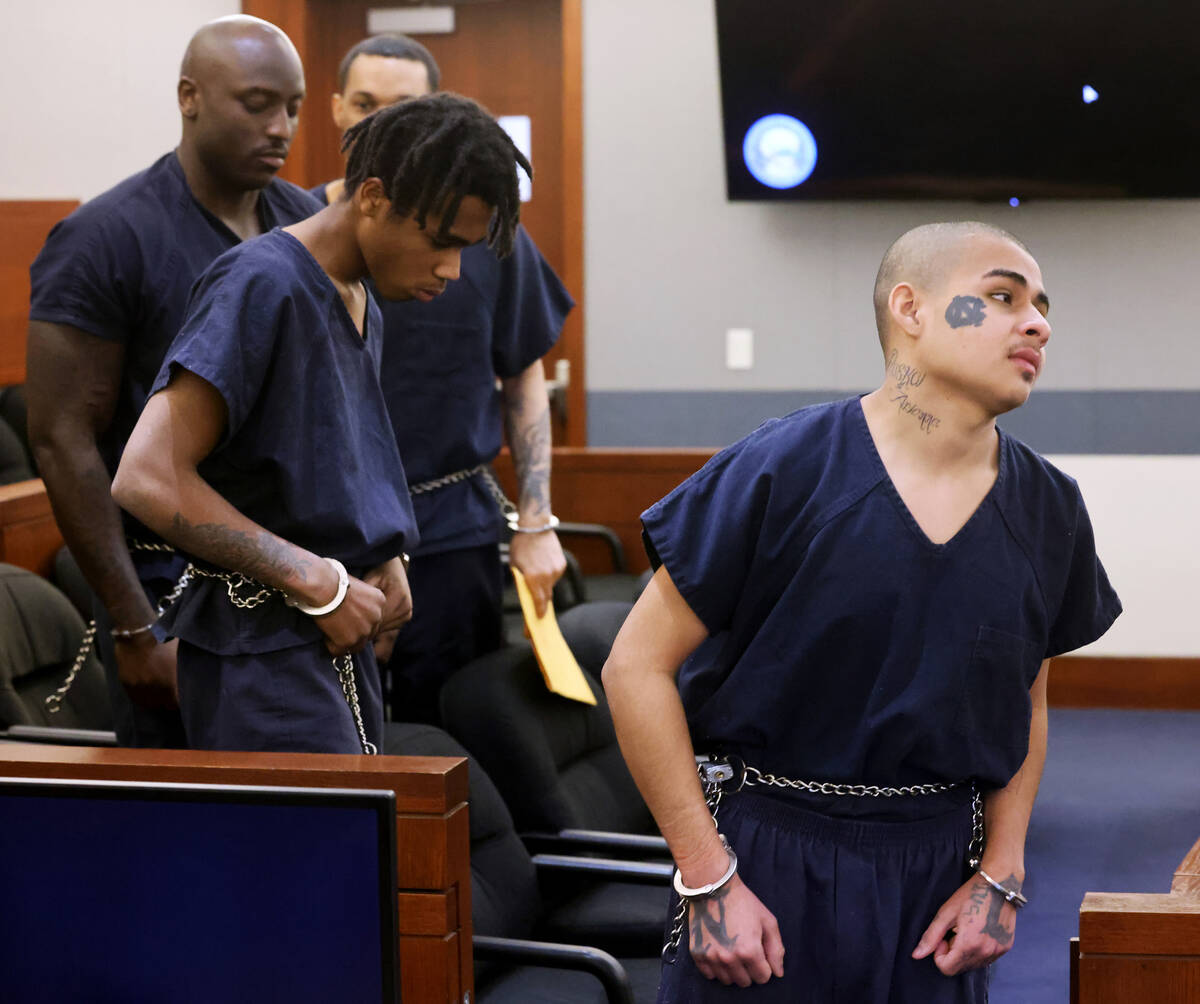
{"x": 527, "y": 425}
{"x": 1007, "y": 810}
{"x": 78, "y": 485}
{"x": 186, "y": 511}
{"x": 653, "y": 735}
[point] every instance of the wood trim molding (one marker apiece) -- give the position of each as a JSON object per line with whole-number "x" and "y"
{"x": 1131, "y": 682}
{"x": 574, "y": 334}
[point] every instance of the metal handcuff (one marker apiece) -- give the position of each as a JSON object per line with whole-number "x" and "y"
{"x": 719, "y": 774}
{"x": 235, "y": 582}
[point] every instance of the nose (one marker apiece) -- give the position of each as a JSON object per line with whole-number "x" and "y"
{"x": 1037, "y": 327}
{"x": 448, "y": 265}
{"x": 281, "y": 125}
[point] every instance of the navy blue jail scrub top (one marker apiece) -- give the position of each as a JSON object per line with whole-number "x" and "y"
{"x": 846, "y": 646}
{"x": 308, "y": 453}
{"x": 122, "y": 265}
{"x": 440, "y": 363}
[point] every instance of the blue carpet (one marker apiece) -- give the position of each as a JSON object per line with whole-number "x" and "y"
{"x": 1118, "y": 809}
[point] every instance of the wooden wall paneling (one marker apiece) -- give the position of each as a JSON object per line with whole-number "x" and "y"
{"x": 572, "y": 271}
{"x": 29, "y": 537}
{"x": 25, "y": 225}
{"x": 436, "y": 964}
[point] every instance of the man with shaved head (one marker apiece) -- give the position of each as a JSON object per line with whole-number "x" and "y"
{"x": 108, "y": 295}
{"x": 851, "y": 620}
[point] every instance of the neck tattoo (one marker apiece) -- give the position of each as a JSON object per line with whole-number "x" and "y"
{"x": 903, "y": 379}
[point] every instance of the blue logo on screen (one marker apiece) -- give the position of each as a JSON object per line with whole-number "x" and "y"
{"x": 780, "y": 151}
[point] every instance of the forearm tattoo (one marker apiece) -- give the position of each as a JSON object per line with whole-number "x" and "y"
{"x": 529, "y": 439}
{"x": 965, "y": 310}
{"x": 260, "y": 556}
{"x": 904, "y": 378}
{"x": 708, "y": 918}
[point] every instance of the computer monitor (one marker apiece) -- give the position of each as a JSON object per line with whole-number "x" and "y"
{"x": 118, "y": 891}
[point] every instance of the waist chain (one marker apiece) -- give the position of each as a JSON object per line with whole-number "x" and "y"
{"x": 482, "y": 471}
{"x": 244, "y": 593}
{"x": 721, "y": 773}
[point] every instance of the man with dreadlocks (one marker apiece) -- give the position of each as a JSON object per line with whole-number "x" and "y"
{"x": 265, "y": 450}
{"x": 439, "y": 377}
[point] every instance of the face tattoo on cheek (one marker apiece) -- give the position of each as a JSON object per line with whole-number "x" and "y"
{"x": 964, "y": 310}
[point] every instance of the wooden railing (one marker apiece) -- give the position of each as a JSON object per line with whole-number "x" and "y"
{"x": 433, "y": 839}
{"x": 1140, "y": 948}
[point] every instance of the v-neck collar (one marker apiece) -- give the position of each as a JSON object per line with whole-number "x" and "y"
{"x": 858, "y": 416}
{"x": 326, "y": 283}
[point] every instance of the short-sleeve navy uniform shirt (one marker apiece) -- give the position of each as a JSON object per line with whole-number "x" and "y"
{"x": 308, "y": 451}
{"x": 440, "y": 363}
{"x": 121, "y": 266}
{"x": 844, "y": 644}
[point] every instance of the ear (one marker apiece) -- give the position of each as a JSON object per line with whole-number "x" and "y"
{"x": 336, "y": 103}
{"x": 370, "y": 199}
{"x": 905, "y": 309}
{"x": 188, "y": 95}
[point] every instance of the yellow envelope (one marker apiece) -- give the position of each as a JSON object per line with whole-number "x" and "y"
{"x": 559, "y": 668}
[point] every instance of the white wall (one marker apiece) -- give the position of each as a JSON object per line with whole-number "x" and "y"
{"x": 671, "y": 264}
{"x": 89, "y": 90}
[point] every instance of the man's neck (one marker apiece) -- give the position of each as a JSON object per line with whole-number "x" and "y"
{"x": 236, "y": 208}
{"x": 329, "y": 238}
{"x": 910, "y": 415}
{"x": 333, "y": 191}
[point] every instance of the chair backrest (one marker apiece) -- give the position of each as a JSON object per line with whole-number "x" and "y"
{"x": 40, "y": 632}
{"x": 14, "y": 461}
{"x": 504, "y": 893}
{"x": 556, "y": 762}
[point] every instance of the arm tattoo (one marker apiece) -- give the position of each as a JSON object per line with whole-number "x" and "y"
{"x": 529, "y": 439}
{"x": 710, "y": 921}
{"x": 964, "y": 310}
{"x": 263, "y": 556}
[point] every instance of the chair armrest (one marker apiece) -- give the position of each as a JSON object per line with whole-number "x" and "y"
{"x": 606, "y": 533}
{"x": 609, "y": 869}
{"x": 574, "y": 841}
{"x": 553, "y": 955}
{"x": 59, "y": 736}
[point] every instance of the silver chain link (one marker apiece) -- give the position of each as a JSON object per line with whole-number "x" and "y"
{"x": 484, "y": 471}
{"x": 55, "y": 700}
{"x": 235, "y": 583}
{"x": 713, "y": 791}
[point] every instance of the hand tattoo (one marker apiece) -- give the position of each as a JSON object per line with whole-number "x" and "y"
{"x": 964, "y": 310}
{"x": 993, "y": 926}
{"x": 713, "y": 923}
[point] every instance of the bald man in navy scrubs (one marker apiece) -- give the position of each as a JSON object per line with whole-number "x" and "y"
{"x": 441, "y": 362}
{"x": 108, "y": 294}
{"x": 854, "y": 610}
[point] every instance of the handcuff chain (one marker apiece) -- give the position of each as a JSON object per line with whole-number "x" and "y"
{"x": 484, "y": 471}
{"x": 755, "y": 776}
{"x": 234, "y": 582}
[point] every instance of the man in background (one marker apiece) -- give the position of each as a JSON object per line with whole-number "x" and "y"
{"x": 441, "y": 360}
{"x": 109, "y": 290}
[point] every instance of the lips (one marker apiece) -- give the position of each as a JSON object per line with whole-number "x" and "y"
{"x": 1030, "y": 356}
{"x": 274, "y": 158}
{"x": 425, "y": 295}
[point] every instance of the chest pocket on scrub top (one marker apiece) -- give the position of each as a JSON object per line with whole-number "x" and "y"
{"x": 996, "y": 707}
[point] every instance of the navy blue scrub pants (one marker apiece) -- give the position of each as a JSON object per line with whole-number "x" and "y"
{"x": 852, "y": 898}
{"x": 457, "y": 611}
{"x": 288, "y": 701}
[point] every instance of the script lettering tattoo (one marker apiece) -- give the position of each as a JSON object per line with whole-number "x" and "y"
{"x": 928, "y": 420}
{"x": 712, "y": 923}
{"x": 978, "y": 897}
{"x": 262, "y": 556}
{"x": 965, "y": 310}
{"x": 903, "y": 374}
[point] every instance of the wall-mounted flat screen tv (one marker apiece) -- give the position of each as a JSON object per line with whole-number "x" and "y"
{"x": 945, "y": 99}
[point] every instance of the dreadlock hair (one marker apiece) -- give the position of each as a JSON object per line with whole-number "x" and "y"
{"x": 392, "y": 46}
{"x": 432, "y": 152}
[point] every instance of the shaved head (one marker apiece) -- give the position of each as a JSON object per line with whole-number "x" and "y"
{"x": 227, "y": 38}
{"x": 923, "y": 256}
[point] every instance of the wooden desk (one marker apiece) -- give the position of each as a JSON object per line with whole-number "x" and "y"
{"x": 1140, "y": 948}
{"x": 432, "y": 837}
{"x": 29, "y": 537}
